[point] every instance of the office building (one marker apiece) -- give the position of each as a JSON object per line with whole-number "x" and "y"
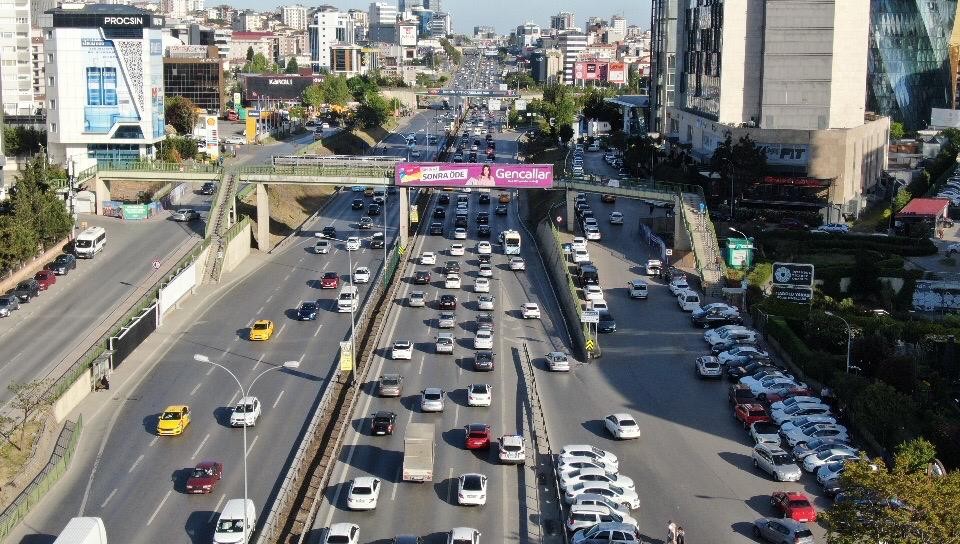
{"x": 527, "y": 35}
{"x": 563, "y": 21}
{"x": 546, "y": 65}
{"x": 294, "y": 16}
{"x": 361, "y": 24}
{"x": 434, "y": 5}
{"x": 347, "y": 60}
{"x": 323, "y": 34}
{"x": 409, "y": 5}
{"x": 37, "y": 70}
{"x": 116, "y": 113}
{"x": 195, "y": 72}
{"x": 441, "y": 24}
{"x": 16, "y": 72}
{"x": 663, "y": 61}
{"x": 382, "y": 13}
{"x": 571, "y": 44}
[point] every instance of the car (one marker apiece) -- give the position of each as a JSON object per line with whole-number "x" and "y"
{"x": 476, "y": 436}
{"x": 421, "y": 277}
{"x": 483, "y": 361}
{"x": 741, "y": 355}
{"x": 483, "y": 339}
{"x": 463, "y": 535}
{"x": 26, "y": 290}
{"x": 44, "y": 279}
{"x": 448, "y": 302}
{"x": 173, "y": 420}
{"x": 443, "y": 199}
{"x": 246, "y": 412}
{"x": 748, "y": 414}
{"x": 374, "y": 210}
{"x": 621, "y": 426}
{"x": 578, "y": 243}
{"x": 571, "y": 451}
{"x": 208, "y": 188}
{"x": 343, "y": 533}
{"x": 816, "y": 445}
{"x": 558, "y": 361}
{"x": 794, "y": 505}
{"x": 365, "y": 223}
{"x": 483, "y": 231}
{"x": 678, "y": 286}
{"x": 459, "y": 233}
{"x": 607, "y": 532}
{"x": 484, "y": 198}
{"x": 185, "y": 215}
{"x": 832, "y": 228}
{"x": 570, "y": 479}
{"x": 714, "y": 315}
{"x": 377, "y": 241}
{"x": 357, "y": 204}
{"x": 383, "y": 423}
{"x": 479, "y": 394}
{"x": 740, "y": 394}
{"x": 481, "y": 285}
{"x": 653, "y": 267}
{"x": 363, "y": 494}
{"x": 352, "y": 243}
{"x": 471, "y": 490}
{"x": 483, "y": 218}
{"x": 361, "y": 275}
{"x": 485, "y": 321}
{"x": 592, "y": 292}
{"x": 8, "y": 303}
{"x": 456, "y": 249}
{"x": 953, "y": 248}
{"x": 485, "y": 301}
{"x": 616, "y": 218}
{"x": 799, "y": 410}
{"x": 776, "y": 462}
{"x": 503, "y": 198}
{"x": 322, "y": 247}
{"x": 428, "y": 258}
{"x": 812, "y": 463}
{"x": 818, "y": 430}
{"x": 517, "y": 264}
{"x": 738, "y": 338}
{"x": 606, "y": 323}
{"x": 485, "y": 270}
{"x": 579, "y": 256}
{"x": 773, "y": 383}
{"x": 204, "y": 477}
{"x": 307, "y": 311}
{"x": 439, "y": 212}
{"x": 500, "y": 210}
{"x": 63, "y": 264}
{"x": 782, "y": 530}
{"x": 330, "y": 280}
{"x": 530, "y": 310}
{"x": 451, "y": 267}
{"x": 484, "y": 248}
{"x": 401, "y": 350}
{"x": 592, "y": 232}
{"x": 447, "y": 320}
{"x": 637, "y": 289}
{"x": 793, "y": 401}
{"x": 735, "y": 373}
{"x": 436, "y": 229}
{"x": 389, "y": 385}
{"x": 625, "y": 497}
{"x": 709, "y": 367}
{"x": 431, "y": 400}
{"x": 719, "y": 334}
{"x": 261, "y": 330}
{"x": 765, "y": 431}
{"x": 510, "y": 449}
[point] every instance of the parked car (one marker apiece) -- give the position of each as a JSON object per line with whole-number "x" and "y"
{"x": 782, "y": 530}
{"x": 63, "y": 264}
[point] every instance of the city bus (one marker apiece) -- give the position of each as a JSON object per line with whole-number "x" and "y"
{"x": 511, "y": 242}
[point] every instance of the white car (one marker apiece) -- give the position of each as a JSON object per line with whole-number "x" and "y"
{"x": 579, "y": 243}
{"x": 246, "y": 412}
{"x": 581, "y": 463}
{"x": 592, "y": 233}
{"x": 558, "y": 361}
{"x": 590, "y": 222}
{"x": 479, "y": 394}
{"x": 530, "y": 310}
{"x": 616, "y": 218}
{"x": 484, "y": 248}
{"x": 805, "y": 421}
{"x": 678, "y": 286}
{"x": 797, "y": 411}
{"x": 731, "y": 355}
{"x": 819, "y": 430}
{"x": 463, "y": 535}
{"x": 719, "y": 334}
{"x": 481, "y": 285}
{"x": 579, "y": 256}
{"x": 518, "y": 264}
{"x": 401, "y": 350}
{"x": 709, "y": 367}
{"x": 570, "y": 479}
{"x": 483, "y": 339}
{"x": 571, "y": 451}
{"x": 361, "y": 275}
{"x": 813, "y": 462}
{"x": 765, "y": 432}
{"x": 472, "y": 490}
{"x": 460, "y": 233}
{"x": 417, "y": 299}
{"x": 431, "y": 400}
{"x": 774, "y": 383}
{"x": 622, "y": 426}
{"x": 584, "y": 516}
{"x": 456, "y": 249}
{"x": 599, "y": 305}
{"x": 452, "y": 281}
{"x": 428, "y": 257}
{"x": 592, "y": 292}
{"x": 353, "y": 243}
{"x": 343, "y": 533}
{"x": 363, "y": 494}
{"x": 511, "y": 449}
{"x": 235, "y": 140}
{"x": 322, "y": 247}
{"x": 619, "y": 495}
{"x": 485, "y": 270}
{"x": 485, "y": 302}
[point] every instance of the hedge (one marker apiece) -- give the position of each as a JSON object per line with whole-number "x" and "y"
{"x": 806, "y": 241}
{"x": 818, "y": 365}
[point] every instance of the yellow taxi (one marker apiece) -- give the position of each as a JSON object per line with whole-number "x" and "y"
{"x": 173, "y": 420}
{"x": 504, "y": 198}
{"x": 261, "y": 330}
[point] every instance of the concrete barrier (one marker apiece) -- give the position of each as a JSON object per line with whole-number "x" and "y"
{"x": 33, "y": 266}
{"x": 556, "y": 265}
{"x": 238, "y": 247}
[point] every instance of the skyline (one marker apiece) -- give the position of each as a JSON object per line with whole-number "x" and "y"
{"x": 501, "y": 14}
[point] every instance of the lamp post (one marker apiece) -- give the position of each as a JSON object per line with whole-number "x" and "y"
{"x": 243, "y": 393}
{"x": 849, "y": 336}
{"x": 353, "y": 307}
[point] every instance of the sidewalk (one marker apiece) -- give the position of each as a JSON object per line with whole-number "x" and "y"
{"x": 934, "y": 263}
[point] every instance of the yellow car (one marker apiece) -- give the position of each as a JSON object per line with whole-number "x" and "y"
{"x": 261, "y": 330}
{"x": 174, "y": 420}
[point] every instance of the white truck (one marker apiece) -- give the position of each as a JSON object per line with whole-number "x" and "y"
{"x": 83, "y": 531}
{"x": 418, "y": 444}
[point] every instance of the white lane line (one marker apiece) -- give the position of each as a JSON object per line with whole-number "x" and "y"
{"x": 252, "y": 444}
{"x": 456, "y": 414}
{"x": 281, "y": 329}
{"x": 260, "y": 311}
{"x": 396, "y": 484}
{"x": 194, "y": 392}
{"x": 110, "y": 496}
{"x": 211, "y": 370}
{"x": 410, "y": 417}
{"x": 159, "y": 506}
{"x": 233, "y": 398}
{"x": 135, "y": 463}
{"x": 154, "y": 441}
{"x": 280, "y": 396}
{"x": 422, "y": 359}
{"x": 17, "y": 356}
{"x": 450, "y": 488}
{"x": 315, "y": 333}
{"x": 259, "y": 360}
{"x": 268, "y": 299}
{"x": 202, "y": 442}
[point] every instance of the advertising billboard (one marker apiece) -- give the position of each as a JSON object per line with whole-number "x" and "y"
{"x": 617, "y": 73}
{"x": 407, "y": 35}
{"x": 277, "y": 87}
{"x": 502, "y": 176}
{"x": 108, "y": 96}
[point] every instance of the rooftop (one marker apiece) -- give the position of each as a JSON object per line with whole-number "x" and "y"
{"x": 99, "y": 9}
{"x": 924, "y": 207}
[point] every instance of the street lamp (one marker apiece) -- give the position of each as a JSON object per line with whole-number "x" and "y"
{"x": 738, "y": 232}
{"x": 353, "y": 307}
{"x": 243, "y": 393}
{"x": 849, "y": 336}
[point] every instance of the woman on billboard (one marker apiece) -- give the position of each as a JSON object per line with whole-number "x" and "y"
{"x": 485, "y": 179}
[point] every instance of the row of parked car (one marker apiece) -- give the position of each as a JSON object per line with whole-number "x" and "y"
{"x": 28, "y": 289}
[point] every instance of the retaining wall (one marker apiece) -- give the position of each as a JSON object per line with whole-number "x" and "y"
{"x": 34, "y": 265}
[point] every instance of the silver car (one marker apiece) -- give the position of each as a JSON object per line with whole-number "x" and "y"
{"x": 558, "y": 361}
{"x": 431, "y": 400}
{"x": 185, "y": 215}
{"x": 417, "y": 299}
{"x": 776, "y": 462}
{"x": 782, "y": 530}
{"x": 447, "y": 320}
{"x": 485, "y": 302}
{"x": 8, "y": 303}
{"x": 444, "y": 343}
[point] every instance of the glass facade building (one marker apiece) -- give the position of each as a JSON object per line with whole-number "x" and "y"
{"x": 200, "y": 80}
{"x": 909, "y": 68}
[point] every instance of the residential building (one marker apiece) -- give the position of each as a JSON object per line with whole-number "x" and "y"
{"x": 546, "y": 65}
{"x": 571, "y": 44}
{"x": 37, "y": 70}
{"x": 441, "y": 24}
{"x": 382, "y": 13}
{"x": 16, "y": 71}
{"x": 223, "y": 39}
{"x": 361, "y": 24}
{"x": 563, "y": 21}
{"x": 287, "y": 44}
{"x": 195, "y": 72}
{"x": 408, "y": 5}
{"x": 329, "y": 27}
{"x": 249, "y": 21}
{"x": 527, "y": 35}
{"x": 104, "y": 82}
{"x": 663, "y": 61}
{"x": 434, "y": 5}
{"x": 483, "y": 32}
{"x": 174, "y": 8}
{"x": 242, "y": 42}
{"x": 37, "y": 10}
{"x": 294, "y": 16}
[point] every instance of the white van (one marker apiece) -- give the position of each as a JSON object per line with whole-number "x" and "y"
{"x": 83, "y": 531}
{"x": 688, "y": 300}
{"x": 90, "y": 242}
{"x": 236, "y": 514}
{"x": 347, "y": 299}
{"x": 637, "y": 289}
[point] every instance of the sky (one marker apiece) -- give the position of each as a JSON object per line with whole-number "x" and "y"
{"x": 504, "y": 15}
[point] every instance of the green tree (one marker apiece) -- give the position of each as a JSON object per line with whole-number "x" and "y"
{"x": 258, "y": 64}
{"x": 739, "y": 164}
{"x": 360, "y": 86}
{"x": 902, "y": 199}
{"x": 336, "y": 92}
{"x": 298, "y": 112}
{"x": 37, "y": 207}
{"x": 30, "y": 399}
{"x": 523, "y": 80}
{"x": 452, "y": 52}
{"x": 18, "y": 242}
{"x": 181, "y": 113}
{"x": 249, "y": 53}
{"x": 596, "y": 107}
{"x": 313, "y": 95}
{"x": 565, "y": 133}
{"x": 22, "y": 141}
{"x": 373, "y": 111}
{"x": 292, "y": 66}
{"x": 896, "y": 130}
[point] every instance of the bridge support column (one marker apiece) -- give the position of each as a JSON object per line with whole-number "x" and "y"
{"x": 263, "y": 217}
{"x": 102, "y": 191}
{"x": 681, "y": 238}
{"x": 404, "y": 216}
{"x": 571, "y": 211}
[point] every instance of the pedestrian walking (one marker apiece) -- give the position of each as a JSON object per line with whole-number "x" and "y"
{"x": 680, "y": 535}
{"x": 671, "y": 532}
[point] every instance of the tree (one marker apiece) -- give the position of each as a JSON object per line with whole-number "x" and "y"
{"x": 38, "y": 208}
{"x": 181, "y": 113}
{"x": 596, "y": 107}
{"x": 298, "y": 112}
{"x": 896, "y": 130}
{"x": 902, "y": 199}
{"x": 522, "y": 80}
{"x": 313, "y": 95}
{"x": 565, "y": 133}
{"x": 177, "y": 149}
{"x": 22, "y": 141}
{"x": 292, "y": 66}
{"x": 336, "y": 92}
{"x": 29, "y": 399}
{"x": 258, "y": 64}
{"x": 373, "y": 111}
{"x": 249, "y": 53}
{"x": 739, "y": 164}
{"x": 361, "y": 86}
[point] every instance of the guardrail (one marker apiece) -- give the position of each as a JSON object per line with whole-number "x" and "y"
{"x": 143, "y": 166}
{"x": 629, "y": 187}
{"x": 358, "y": 171}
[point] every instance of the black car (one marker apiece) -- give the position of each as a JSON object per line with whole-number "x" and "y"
{"x": 329, "y": 232}
{"x": 436, "y": 229}
{"x": 383, "y": 423}
{"x": 607, "y": 323}
{"x": 357, "y": 204}
{"x": 460, "y": 222}
{"x": 208, "y": 188}
{"x": 483, "y": 218}
{"x": 448, "y": 302}
{"x": 27, "y": 289}
{"x": 63, "y": 264}
{"x": 373, "y": 209}
{"x": 444, "y": 198}
{"x": 483, "y": 231}
{"x": 715, "y": 316}
{"x": 484, "y": 198}
{"x": 376, "y": 241}
{"x": 735, "y": 373}
{"x": 439, "y": 213}
{"x": 307, "y": 311}
{"x": 483, "y": 360}
{"x": 485, "y": 321}
{"x": 451, "y": 267}
{"x": 483, "y": 258}
{"x": 501, "y": 210}
{"x": 407, "y": 539}
{"x": 421, "y": 277}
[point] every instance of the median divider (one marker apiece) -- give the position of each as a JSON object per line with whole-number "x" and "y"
{"x": 548, "y": 239}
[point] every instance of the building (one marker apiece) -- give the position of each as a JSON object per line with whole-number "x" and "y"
{"x": 195, "y": 72}
{"x": 571, "y": 44}
{"x": 174, "y": 8}
{"x": 242, "y": 42}
{"x": 323, "y": 34}
{"x": 294, "y": 16}
{"x": 483, "y": 32}
{"x": 913, "y": 60}
{"x": 433, "y": 5}
{"x": 37, "y": 68}
{"x": 546, "y": 65}
{"x": 361, "y": 24}
{"x": 663, "y": 61}
{"x": 37, "y": 10}
{"x": 117, "y": 51}
{"x": 563, "y": 21}
{"x": 16, "y": 70}
{"x": 287, "y": 44}
{"x": 441, "y": 24}
{"x": 382, "y": 14}
{"x": 409, "y": 5}
{"x": 794, "y": 82}
{"x": 347, "y": 60}
{"x": 527, "y": 35}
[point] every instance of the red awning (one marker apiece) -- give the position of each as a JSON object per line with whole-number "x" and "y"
{"x": 925, "y": 207}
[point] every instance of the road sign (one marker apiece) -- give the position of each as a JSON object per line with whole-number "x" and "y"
{"x": 668, "y": 252}
{"x": 156, "y": 264}
{"x": 590, "y": 345}
{"x": 590, "y": 316}
{"x": 795, "y": 274}
{"x": 791, "y": 293}
{"x": 346, "y": 357}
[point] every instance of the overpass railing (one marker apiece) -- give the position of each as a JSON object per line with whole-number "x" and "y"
{"x": 337, "y": 170}
{"x": 634, "y": 188}
{"x": 156, "y": 166}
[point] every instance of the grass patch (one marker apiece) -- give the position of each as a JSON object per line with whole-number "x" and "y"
{"x": 14, "y": 460}
{"x": 290, "y": 206}
{"x": 872, "y": 219}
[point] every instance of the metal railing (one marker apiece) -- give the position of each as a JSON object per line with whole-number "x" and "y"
{"x": 157, "y": 166}
{"x": 340, "y": 171}
{"x": 630, "y": 188}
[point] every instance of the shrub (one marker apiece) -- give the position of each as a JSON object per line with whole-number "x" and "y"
{"x": 796, "y": 242}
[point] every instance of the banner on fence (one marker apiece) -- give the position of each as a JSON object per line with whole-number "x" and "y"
{"x": 179, "y": 286}
{"x": 503, "y": 176}
{"x": 133, "y": 334}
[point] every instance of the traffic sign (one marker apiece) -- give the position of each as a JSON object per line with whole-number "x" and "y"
{"x": 590, "y": 345}
{"x": 346, "y": 357}
{"x": 590, "y": 316}
{"x": 156, "y": 264}
{"x": 792, "y": 293}
{"x": 795, "y": 274}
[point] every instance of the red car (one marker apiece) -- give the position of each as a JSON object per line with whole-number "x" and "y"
{"x": 740, "y": 394}
{"x": 478, "y": 436}
{"x": 204, "y": 477}
{"x": 45, "y": 278}
{"x": 783, "y": 394}
{"x": 330, "y": 280}
{"x": 794, "y": 505}
{"x": 750, "y": 413}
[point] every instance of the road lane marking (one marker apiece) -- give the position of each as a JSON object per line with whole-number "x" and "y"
{"x": 284, "y": 279}
{"x": 211, "y": 370}
{"x": 233, "y": 398}
{"x": 450, "y": 488}
{"x": 259, "y": 360}
{"x": 216, "y": 509}
{"x": 260, "y": 311}
{"x": 110, "y": 496}
{"x": 194, "y": 392}
{"x": 159, "y": 506}
{"x": 202, "y": 442}
{"x": 252, "y": 443}
{"x": 281, "y": 329}
{"x": 318, "y": 330}
{"x": 268, "y": 299}
{"x": 154, "y": 441}
{"x": 280, "y": 396}
{"x": 396, "y": 484}
{"x": 135, "y": 463}
{"x": 422, "y": 359}
{"x": 456, "y": 414}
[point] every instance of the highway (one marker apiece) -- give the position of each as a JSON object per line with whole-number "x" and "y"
{"x": 431, "y": 509}
{"x": 134, "y": 479}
